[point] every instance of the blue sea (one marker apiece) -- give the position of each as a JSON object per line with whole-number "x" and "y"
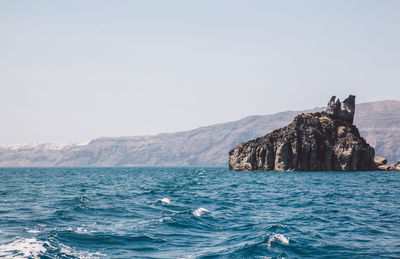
{"x": 197, "y": 213}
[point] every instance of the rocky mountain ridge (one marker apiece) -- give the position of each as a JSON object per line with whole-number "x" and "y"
{"x": 378, "y": 122}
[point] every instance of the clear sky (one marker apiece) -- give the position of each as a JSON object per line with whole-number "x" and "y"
{"x": 72, "y": 71}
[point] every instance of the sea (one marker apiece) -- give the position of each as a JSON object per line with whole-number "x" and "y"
{"x": 197, "y": 213}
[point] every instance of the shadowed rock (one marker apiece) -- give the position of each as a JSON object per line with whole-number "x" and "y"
{"x": 321, "y": 141}
{"x": 342, "y": 110}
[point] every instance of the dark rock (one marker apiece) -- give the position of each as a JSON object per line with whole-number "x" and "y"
{"x": 342, "y": 110}
{"x": 320, "y": 141}
{"x": 380, "y": 161}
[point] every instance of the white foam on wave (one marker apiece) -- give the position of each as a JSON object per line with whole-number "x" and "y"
{"x": 23, "y": 248}
{"x": 79, "y": 254}
{"x": 33, "y": 231}
{"x": 199, "y": 211}
{"x": 165, "y": 201}
{"x": 277, "y": 238}
{"x": 81, "y": 230}
{"x": 164, "y": 219}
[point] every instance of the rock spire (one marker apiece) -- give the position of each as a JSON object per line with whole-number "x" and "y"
{"x": 342, "y": 110}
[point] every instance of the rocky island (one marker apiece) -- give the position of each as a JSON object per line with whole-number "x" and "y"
{"x": 320, "y": 141}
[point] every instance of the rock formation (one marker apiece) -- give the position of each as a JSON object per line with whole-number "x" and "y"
{"x": 381, "y": 165}
{"x": 342, "y": 110}
{"x": 380, "y": 161}
{"x": 320, "y": 141}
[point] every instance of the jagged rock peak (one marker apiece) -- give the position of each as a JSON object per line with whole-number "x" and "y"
{"x": 321, "y": 141}
{"x": 342, "y": 110}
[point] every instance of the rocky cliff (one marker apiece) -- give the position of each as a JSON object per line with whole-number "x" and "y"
{"x": 320, "y": 141}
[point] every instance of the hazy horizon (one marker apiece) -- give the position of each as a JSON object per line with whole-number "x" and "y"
{"x": 74, "y": 71}
{"x": 84, "y": 142}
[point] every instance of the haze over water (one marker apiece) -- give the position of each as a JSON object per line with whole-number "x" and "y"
{"x": 197, "y": 212}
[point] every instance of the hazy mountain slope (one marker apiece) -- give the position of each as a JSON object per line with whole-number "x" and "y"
{"x": 379, "y": 122}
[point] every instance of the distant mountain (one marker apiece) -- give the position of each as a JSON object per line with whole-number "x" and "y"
{"x": 378, "y": 122}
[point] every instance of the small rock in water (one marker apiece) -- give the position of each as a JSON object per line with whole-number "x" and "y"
{"x": 386, "y": 167}
{"x": 380, "y": 161}
{"x": 398, "y": 162}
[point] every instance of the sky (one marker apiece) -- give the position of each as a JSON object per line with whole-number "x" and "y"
{"x": 72, "y": 71}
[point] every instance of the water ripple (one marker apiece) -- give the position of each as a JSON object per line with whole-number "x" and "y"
{"x": 197, "y": 213}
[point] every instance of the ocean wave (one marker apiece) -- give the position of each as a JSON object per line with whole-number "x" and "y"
{"x": 78, "y": 230}
{"x": 199, "y": 212}
{"x": 23, "y": 248}
{"x": 33, "y": 231}
{"x": 257, "y": 246}
{"x": 81, "y": 230}
{"x": 166, "y": 219}
{"x": 280, "y": 238}
{"x": 165, "y": 201}
{"x": 219, "y": 219}
{"x": 70, "y": 252}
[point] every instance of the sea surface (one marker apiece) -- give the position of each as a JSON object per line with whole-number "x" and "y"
{"x": 197, "y": 213}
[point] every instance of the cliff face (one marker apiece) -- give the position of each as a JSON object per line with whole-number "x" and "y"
{"x": 321, "y": 141}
